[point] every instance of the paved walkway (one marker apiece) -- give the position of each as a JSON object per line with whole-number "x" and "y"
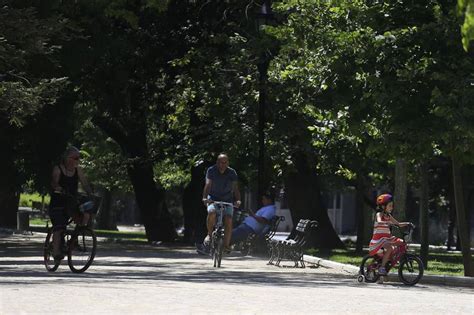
{"x": 140, "y": 279}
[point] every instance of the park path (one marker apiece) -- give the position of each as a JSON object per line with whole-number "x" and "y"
{"x": 141, "y": 279}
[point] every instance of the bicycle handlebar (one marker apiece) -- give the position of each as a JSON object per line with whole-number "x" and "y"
{"x": 223, "y": 203}
{"x": 410, "y": 227}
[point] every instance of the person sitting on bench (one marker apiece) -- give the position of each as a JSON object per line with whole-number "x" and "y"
{"x": 256, "y": 222}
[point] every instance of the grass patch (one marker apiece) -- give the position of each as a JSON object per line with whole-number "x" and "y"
{"x": 39, "y": 221}
{"x": 130, "y": 236}
{"x": 439, "y": 263}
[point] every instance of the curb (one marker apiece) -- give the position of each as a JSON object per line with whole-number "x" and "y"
{"x": 426, "y": 279}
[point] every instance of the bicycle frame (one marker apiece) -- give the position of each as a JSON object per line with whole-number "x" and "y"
{"x": 218, "y": 232}
{"x": 398, "y": 252}
{"x": 219, "y": 206}
{"x": 402, "y": 249}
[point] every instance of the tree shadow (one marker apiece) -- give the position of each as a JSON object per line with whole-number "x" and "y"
{"x": 22, "y": 263}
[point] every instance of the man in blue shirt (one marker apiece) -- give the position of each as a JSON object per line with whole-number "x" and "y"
{"x": 256, "y": 222}
{"x": 221, "y": 185}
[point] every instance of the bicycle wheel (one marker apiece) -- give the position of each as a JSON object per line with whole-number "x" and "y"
{"x": 219, "y": 251}
{"x": 81, "y": 249}
{"x": 369, "y": 268}
{"x": 49, "y": 262}
{"x": 214, "y": 250}
{"x": 244, "y": 248}
{"x": 411, "y": 269}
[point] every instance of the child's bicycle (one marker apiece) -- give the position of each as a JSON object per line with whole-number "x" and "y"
{"x": 78, "y": 244}
{"x": 410, "y": 268}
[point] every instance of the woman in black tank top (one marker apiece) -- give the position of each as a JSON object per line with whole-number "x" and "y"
{"x": 63, "y": 205}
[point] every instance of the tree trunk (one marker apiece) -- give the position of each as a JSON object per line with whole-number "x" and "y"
{"x": 106, "y": 219}
{"x": 9, "y": 196}
{"x": 424, "y": 196}
{"x": 150, "y": 199}
{"x": 305, "y": 202}
{"x": 400, "y": 189}
{"x": 194, "y": 211}
{"x": 362, "y": 211}
{"x": 461, "y": 218}
{"x": 151, "y": 202}
{"x": 451, "y": 214}
{"x": 9, "y": 199}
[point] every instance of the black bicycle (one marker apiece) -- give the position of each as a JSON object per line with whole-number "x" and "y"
{"x": 217, "y": 236}
{"x": 79, "y": 244}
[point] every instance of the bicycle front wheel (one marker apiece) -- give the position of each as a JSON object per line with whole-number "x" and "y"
{"x": 219, "y": 251}
{"x": 82, "y": 248}
{"x": 369, "y": 269}
{"x": 49, "y": 262}
{"x": 410, "y": 270}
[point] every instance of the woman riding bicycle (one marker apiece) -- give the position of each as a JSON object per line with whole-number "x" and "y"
{"x": 65, "y": 179}
{"x": 382, "y": 237}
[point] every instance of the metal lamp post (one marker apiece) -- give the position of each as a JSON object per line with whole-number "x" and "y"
{"x": 264, "y": 17}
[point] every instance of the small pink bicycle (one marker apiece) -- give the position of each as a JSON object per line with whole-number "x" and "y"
{"x": 410, "y": 266}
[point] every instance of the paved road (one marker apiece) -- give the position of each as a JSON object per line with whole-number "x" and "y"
{"x": 140, "y": 279}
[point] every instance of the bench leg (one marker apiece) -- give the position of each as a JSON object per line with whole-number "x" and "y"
{"x": 271, "y": 248}
{"x": 280, "y": 254}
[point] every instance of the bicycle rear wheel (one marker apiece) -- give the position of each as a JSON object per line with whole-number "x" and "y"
{"x": 410, "y": 270}
{"x": 369, "y": 269}
{"x": 81, "y": 250}
{"x": 49, "y": 262}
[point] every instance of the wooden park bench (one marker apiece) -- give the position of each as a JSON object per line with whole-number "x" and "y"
{"x": 292, "y": 247}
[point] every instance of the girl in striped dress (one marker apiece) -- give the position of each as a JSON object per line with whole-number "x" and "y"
{"x": 382, "y": 237}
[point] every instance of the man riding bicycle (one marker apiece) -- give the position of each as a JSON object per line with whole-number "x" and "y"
{"x": 221, "y": 185}
{"x": 65, "y": 181}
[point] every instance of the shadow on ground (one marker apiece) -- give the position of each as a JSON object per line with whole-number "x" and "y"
{"x": 21, "y": 262}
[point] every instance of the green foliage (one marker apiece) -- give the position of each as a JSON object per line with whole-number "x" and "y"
{"x": 360, "y": 80}
{"x": 466, "y": 9}
{"x": 24, "y": 87}
{"x": 27, "y": 199}
{"x": 171, "y": 175}
{"x": 33, "y": 92}
{"x": 101, "y": 158}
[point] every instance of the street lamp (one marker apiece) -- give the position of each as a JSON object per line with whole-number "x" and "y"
{"x": 264, "y": 17}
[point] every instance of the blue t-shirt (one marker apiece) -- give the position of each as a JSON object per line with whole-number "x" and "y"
{"x": 267, "y": 212}
{"x": 222, "y": 184}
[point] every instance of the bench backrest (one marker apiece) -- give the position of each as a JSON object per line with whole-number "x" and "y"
{"x": 302, "y": 230}
{"x": 273, "y": 226}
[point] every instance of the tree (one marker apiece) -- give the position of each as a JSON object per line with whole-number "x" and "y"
{"x": 32, "y": 96}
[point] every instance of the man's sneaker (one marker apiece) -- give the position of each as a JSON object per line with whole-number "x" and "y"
{"x": 207, "y": 240}
{"x": 382, "y": 271}
{"x": 227, "y": 250}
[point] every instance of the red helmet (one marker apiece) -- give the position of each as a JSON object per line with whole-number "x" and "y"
{"x": 384, "y": 199}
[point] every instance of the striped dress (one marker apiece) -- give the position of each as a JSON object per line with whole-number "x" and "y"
{"x": 382, "y": 236}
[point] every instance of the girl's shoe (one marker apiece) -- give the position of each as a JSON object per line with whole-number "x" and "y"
{"x": 382, "y": 271}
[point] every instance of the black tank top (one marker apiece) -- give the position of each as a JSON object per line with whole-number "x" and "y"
{"x": 69, "y": 183}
